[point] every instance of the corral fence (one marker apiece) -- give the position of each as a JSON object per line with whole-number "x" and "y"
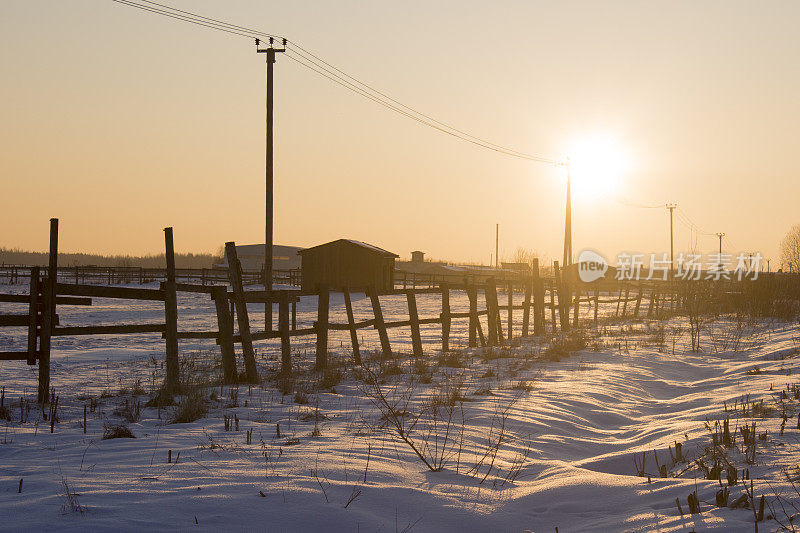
{"x": 539, "y": 305}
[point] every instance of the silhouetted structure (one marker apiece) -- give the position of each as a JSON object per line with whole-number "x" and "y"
{"x": 346, "y": 263}
{"x": 251, "y": 257}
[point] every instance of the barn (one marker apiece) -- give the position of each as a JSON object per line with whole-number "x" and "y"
{"x": 347, "y": 263}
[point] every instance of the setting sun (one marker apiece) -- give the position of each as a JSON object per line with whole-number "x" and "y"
{"x": 597, "y": 166}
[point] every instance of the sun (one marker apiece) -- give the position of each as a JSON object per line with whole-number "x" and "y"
{"x": 597, "y": 166}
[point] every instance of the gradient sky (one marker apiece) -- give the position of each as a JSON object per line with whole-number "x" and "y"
{"x": 121, "y": 122}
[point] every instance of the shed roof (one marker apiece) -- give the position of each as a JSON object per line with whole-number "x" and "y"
{"x": 361, "y": 244}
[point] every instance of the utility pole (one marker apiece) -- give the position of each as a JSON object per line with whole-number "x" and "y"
{"x": 269, "y": 215}
{"x": 671, "y": 207}
{"x": 568, "y": 221}
{"x": 720, "y": 235}
{"x": 497, "y": 246}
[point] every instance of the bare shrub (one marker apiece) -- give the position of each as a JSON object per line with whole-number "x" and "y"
{"x": 192, "y": 406}
{"x": 131, "y": 410}
{"x": 566, "y": 343}
{"x": 117, "y": 431}
{"x": 71, "y": 499}
{"x": 430, "y": 433}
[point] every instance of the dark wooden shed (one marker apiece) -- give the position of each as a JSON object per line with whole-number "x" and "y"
{"x": 346, "y": 263}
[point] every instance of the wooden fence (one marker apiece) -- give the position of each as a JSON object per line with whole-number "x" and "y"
{"x": 545, "y": 304}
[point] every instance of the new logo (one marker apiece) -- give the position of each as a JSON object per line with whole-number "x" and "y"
{"x": 591, "y": 266}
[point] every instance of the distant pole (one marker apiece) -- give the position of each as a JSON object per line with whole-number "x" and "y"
{"x": 671, "y": 208}
{"x": 497, "y": 246}
{"x": 568, "y": 221}
{"x": 269, "y": 186}
{"x": 720, "y": 235}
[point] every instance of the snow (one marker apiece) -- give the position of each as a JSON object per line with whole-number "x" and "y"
{"x": 574, "y": 428}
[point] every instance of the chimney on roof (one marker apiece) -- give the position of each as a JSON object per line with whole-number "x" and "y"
{"x": 417, "y": 256}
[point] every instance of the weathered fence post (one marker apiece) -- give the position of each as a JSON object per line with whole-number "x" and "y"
{"x": 652, "y": 302}
{"x": 538, "y": 299}
{"x": 380, "y": 325}
{"x": 472, "y": 294}
{"x": 283, "y": 327}
{"x": 563, "y": 297}
{"x": 413, "y": 318}
{"x": 171, "y": 315}
{"x": 323, "y": 301}
{"x": 596, "y": 300}
{"x": 493, "y": 313}
{"x": 510, "y": 310}
{"x": 351, "y": 323}
{"x": 48, "y": 314}
{"x": 638, "y": 301}
{"x": 225, "y": 340}
{"x": 33, "y": 314}
{"x": 627, "y": 296}
{"x": 235, "y": 276}
{"x": 445, "y": 316}
{"x": 526, "y": 307}
{"x": 553, "y": 305}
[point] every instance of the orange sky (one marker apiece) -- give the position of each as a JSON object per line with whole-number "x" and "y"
{"x": 121, "y": 122}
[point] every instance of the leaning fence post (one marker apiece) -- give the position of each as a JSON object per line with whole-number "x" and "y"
{"x": 493, "y": 313}
{"x": 413, "y": 317}
{"x": 33, "y": 314}
{"x": 283, "y": 327}
{"x": 48, "y": 314}
{"x": 235, "y": 276}
{"x": 380, "y": 325}
{"x": 171, "y": 315}
{"x": 445, "y": 315}
{"x": 323, "y": 300}
{"x": 473, "y": 314}
{"x": 638, "y": 301}
{"x": 538, "y": 299}
{"x": 225, "y": 339}
{"x": 510, "y": 309}
{"x": 596, "y": 300}
{"x": 627, "y": 295}
{"x": 351, "y": 323}
{"x": 526, "y": 307}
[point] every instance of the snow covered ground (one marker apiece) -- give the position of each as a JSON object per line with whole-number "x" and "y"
{"x": 536, "y": 439}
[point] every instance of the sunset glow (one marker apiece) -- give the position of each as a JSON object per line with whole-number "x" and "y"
{"x": 598, "y": 165}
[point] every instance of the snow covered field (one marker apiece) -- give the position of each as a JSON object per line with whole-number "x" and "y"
{"x": 536, "y": 439}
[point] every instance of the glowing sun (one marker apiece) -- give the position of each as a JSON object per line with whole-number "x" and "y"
{"x": 597, "y": 166}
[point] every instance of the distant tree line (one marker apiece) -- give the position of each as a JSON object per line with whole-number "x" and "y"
{"x": 10, "y": 256}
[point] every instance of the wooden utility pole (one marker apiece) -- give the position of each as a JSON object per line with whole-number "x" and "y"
{"x": 568, "y": 222}
{"x": 497, "y": 246}
{"x": 671, "y": 207}
{"x": 269, "y": 186}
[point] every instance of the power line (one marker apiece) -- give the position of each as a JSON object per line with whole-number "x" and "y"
{"x": 333, "y": 73}
{"x": 218, "y": 27}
